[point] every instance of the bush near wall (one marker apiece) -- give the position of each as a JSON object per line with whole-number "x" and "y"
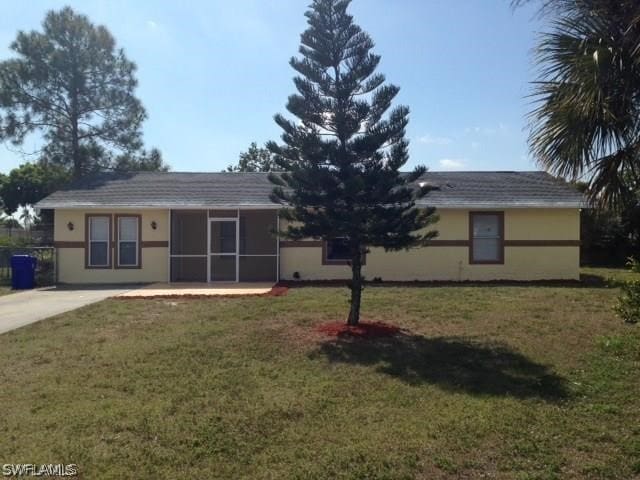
{"x": 628, "y": 306}
{"x": 608, "y": 238}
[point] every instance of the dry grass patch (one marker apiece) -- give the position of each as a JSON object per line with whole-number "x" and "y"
{"x": 5, "y": 290}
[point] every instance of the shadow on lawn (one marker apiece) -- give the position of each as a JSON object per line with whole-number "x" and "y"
{"x": 456, "y": 364}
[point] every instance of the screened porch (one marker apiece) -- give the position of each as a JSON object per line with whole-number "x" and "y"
{"x": 233, "y": 245}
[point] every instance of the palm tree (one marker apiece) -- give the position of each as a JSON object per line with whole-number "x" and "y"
{"x": 586, "y": 119}
{"x": 27, "y": 218}
{"x": 11, "y": 224}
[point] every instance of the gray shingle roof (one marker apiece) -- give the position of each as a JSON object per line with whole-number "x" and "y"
{"x": 500, "y": 189}
{"x": 190, "y": 190}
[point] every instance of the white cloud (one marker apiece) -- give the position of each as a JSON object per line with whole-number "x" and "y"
{"x": 488, "y": 130}
{"x": 452, "y": 163}
{"x": 431, "y": 140}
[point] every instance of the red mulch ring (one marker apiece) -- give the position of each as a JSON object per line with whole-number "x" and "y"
{"x": 278, "y": 291}
{"x": 362, "y": 330}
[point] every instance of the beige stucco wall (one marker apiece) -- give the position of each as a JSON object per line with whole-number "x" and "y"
{"x": 71, "y": 261}
{"x": 542, "y": 224}
{"x": 452, "y": 263}
{"x": 430, "y": 263}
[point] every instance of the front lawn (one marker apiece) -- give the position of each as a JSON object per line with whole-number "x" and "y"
{"x": 611, "y": 276}
{"x": 485, "y": 381}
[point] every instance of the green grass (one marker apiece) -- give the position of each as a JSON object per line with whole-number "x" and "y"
{"x": 506, "y": 382}
{"x": 612, "y": 276}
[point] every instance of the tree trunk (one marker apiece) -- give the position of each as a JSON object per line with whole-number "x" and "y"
{"x": 75, "y": 146}
{"x": 75, "y": 134}
{"x": 356, "y": 290}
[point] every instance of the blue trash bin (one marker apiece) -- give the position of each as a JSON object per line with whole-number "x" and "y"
{"x": 23, "y": 272}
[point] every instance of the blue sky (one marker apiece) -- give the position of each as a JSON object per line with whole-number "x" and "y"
{"x": 213, "y": 73}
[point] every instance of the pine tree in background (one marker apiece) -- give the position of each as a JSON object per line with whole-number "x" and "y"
{"x": 342, "y": 158}
{"x": 71, "y": 85}
{"x": 255, "y": 159}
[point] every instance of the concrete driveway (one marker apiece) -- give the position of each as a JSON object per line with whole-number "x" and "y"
{"x": 22, "y": 308}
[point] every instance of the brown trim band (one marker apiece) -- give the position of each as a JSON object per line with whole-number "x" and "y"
{"x": 60, "y": 244}
{"x": 147, "y": 244}
{"x": 213, "y": 213}
{"x": 318, "y": 244}
{"x": 447, "y": 243}
{"x": 509, "y": 243}
{"x": 300, "y": 243}
{"x": 154, "y": 243}
{"x": 542, "y": 243}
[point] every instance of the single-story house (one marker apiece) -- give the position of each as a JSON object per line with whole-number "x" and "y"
{"x": 219, "y": 227}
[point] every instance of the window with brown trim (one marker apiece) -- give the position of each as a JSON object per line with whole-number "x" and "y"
{"x": 98, "y": 241}
{"x": 336, "y": 252}
{"x": 127, "y": 239}
{"x": 486, "y": 237}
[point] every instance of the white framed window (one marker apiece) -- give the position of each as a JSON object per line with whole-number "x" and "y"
{"x": 99, "y": 234}
{"x": 128, "y": 241}
{"x": 487, "y": 237}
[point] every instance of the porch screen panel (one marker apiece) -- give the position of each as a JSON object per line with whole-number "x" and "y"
{"x": 223, "y": 268}
{"x": 223, "y": 213}
{"x": 188, "y": 269}
{"x": 256, "y": 232}
{"x": 188, "y": 233}
{"x": 258, "y": 269}
{"x": 258, "y": 245}
{"x": 188, "y": 246}
{"x": 223, "y": 237}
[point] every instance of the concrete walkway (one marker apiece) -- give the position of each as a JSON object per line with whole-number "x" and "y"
{"x": 184, "y": 289}
{"x": 22, "y": 308}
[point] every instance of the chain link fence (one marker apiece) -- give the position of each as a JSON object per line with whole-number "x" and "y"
{"x": 40, "y": 234}
{"x": 45, "y": 267}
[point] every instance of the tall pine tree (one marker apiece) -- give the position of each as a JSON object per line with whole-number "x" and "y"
{"x": 74, "y": 87}
{"x": 342, "y": 158}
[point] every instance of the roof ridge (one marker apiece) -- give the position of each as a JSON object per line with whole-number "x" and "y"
{"x": 200, "y": 172}
{"x": 183, "y": 172}
{"x": 183, "y": 189}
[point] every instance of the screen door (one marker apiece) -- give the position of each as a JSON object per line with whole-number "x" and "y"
{"x": 223, "y": 250}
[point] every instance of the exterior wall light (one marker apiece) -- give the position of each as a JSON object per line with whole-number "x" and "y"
{"x": 154, "y": 225}
{"x": 70, "y": 226}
